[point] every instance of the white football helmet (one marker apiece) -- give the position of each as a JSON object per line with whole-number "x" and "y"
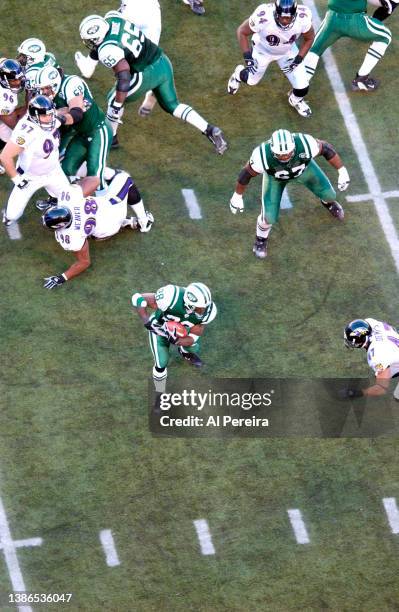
{"x": 282, "y": 145}
{"x": 48, "y": 81}
{"x": 196, "y": 295}
{"x": 31, "y": 51}
{"x": 93, "y": 30}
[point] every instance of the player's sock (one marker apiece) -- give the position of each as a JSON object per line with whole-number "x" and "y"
{"x": 311, "y": 61}
{"x": 375, "y": 52}
{"x": 159, "y": 376}
{"x": 188, "y": 114}
{"x": 139, "y": 210}
{"x": 263, "y": 229}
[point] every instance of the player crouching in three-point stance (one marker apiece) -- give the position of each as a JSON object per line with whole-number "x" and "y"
{"x": 275, "y": 28}
{"x": 381, "y": 341}
{"x": 181, "y": 315}
{"x": 283, "y": 158}
{"x": 75, "y": 218}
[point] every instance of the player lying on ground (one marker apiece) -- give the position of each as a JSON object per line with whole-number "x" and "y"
{"x": 181, "y": 315}
{"x": 146, "y": 16}
{"x": 11, "y": 84}
{"x": 75, "y": 219}
{"x": 274, "y": 30}
{"x": 381, "y": 341}
{"x": 288, "y": 157}
{"x": 139, "y": 66}
{"x": 348, "y": 18}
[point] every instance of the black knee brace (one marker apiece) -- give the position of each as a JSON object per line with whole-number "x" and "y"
{"x": 133, "y": 197}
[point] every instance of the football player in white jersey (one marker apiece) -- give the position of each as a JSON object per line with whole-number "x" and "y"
{"x": 274, "y": 30}
{"x": 146, "y": 15}
{"x": 35, "y": 140}
{"x": 11, "y": 84}
{"x": 381, "y": 341}
{"x": 76, "y": 218}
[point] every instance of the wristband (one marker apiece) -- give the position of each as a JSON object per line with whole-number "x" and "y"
{"x": 117, "y": 105}
{"x": 138, "y": 301}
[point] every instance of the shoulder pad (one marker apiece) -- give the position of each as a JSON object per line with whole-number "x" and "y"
{"x": 113, "y": 15}
{"x": 166, "y": 297}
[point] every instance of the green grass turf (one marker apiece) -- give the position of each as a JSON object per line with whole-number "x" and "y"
{"x": 75, "y": 452}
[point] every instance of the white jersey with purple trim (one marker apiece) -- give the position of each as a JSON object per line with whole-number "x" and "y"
{"x": 383, "y": 351}
{"x": 96, "y": 216}
{"x": 8, "y": 104}
{"x": 269, "y": 37}
{"x": 146, "y": 15}
{"x": 40, "y": 155}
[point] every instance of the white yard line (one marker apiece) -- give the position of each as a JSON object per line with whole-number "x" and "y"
{"x": 204, "y": 537}
{"x": 285, "y": 200}
{"x": 359, "y": 146}
{"x": 366, "y": 197}
{"x": 192, "y": 205}
{"x": 25, "y": 543}
{"x": 10, "y": 555}
{"x": 392, "y": 513}
{"x": 298, "y": 526}
{"x": 108, "y": 544}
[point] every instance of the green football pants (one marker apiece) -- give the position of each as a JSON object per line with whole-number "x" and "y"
{"x": 160, "y": 349}
{"x": 353, "y": 25}
{"x": 92, "y": 149}
{"x": 157, "y": 77}
{"x": 313, "y": 178}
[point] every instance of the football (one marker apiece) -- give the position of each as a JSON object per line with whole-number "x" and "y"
{"x": 177, "y": 329}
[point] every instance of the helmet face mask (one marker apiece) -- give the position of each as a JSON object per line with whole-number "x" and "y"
{"x": 31, "y": 51}
{"x": 93, "y": 30}
{"x": 57, "y": 217}
{"x": 48, "y": 81}
{"x": 282, "y": 145}
{"x": 197, "y": 297}
{"x": 12, "y": 75}
{"x": 41, "y": 111}
{"x": 357, "y": 334}
{"x": 285, "y": 13}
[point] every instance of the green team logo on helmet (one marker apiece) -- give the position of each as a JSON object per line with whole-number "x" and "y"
{"x": 192, "y": 297}
{"x": 34, "y": 49}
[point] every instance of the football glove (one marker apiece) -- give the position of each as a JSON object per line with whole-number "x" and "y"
{"x": 343, "y": 179}
{"x": 114, "y": 112}
{"x": 294, "y": 64}
{"x": 155, "y": 327}
{"x": 236, "y": 203}
{"x": 20, "y": 182}
{"x": 250, "y": 62}
{"x": 54, "y": 281}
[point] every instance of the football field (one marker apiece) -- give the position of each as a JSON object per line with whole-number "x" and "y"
{"x": 90, "y": 503}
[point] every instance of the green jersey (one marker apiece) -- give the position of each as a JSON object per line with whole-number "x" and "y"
{"x": 124, "y": 40}
{"x": 33, "y": 69}
{"x": 348, "y": 6}
{"x": 72, "y": 86}
{"x": 264, "y": 162}
{"x": 171, "y": 307}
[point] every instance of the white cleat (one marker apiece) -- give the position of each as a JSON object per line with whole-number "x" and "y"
{"x": 147, "y": 105}
{"x": 301, "y": 107}
{"x": 130, "y": 222}
{"x": 144, "y": 225}
{"x": 234, "y": 81}
{"x": 85, "y": 64}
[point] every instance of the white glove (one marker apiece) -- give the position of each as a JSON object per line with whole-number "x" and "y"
{"x": 236, "y": 203}
{"x": 114, "y": 112}
{"x": 85, "y": 64}
{"x": 343, "y": 179}
{"x": 20, "y": 181}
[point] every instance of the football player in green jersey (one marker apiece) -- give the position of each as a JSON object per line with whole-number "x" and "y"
{"x": 288, "y": 157}
{"x": 88, "y": 136}
{"x": 32, "y": 56}
{"x": 139, "y": 66}
{"x": 349, "y": 18}
{"x": 192, "y": 306}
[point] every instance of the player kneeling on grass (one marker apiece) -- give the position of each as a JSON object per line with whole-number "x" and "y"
{"x": 76, "y": 218}
{"x": 288, "y": 157}
{"x": 181, "y": 315}
{"x": 381, "y": 341}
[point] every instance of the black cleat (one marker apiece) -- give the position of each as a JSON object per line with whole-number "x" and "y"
{"x": 43, "y": 205}
{"x": 196, "y": 6}
{"x": 334, "y": 209}
{"x": 364, "y": 83}
{"x": 191, "y": 358}
{"x": 215, "y": 135}
{"x": 260, "y": 247}
{"x": 115, "y": 142}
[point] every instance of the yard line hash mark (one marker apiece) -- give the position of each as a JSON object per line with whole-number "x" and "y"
{"x": 108, "y": 544}
{"x": 192, "y": 205}
{"x": 392, "y": 511}
{"x": 204, "y": 537}
{"x": 298, "y": 526}
{"x": 9, "y": 548}
{"x": 359, "y": 146}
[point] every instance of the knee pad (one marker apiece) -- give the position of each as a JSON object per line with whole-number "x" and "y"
{"x": 133, "y": 196}
{"x": 300, "y": 93}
